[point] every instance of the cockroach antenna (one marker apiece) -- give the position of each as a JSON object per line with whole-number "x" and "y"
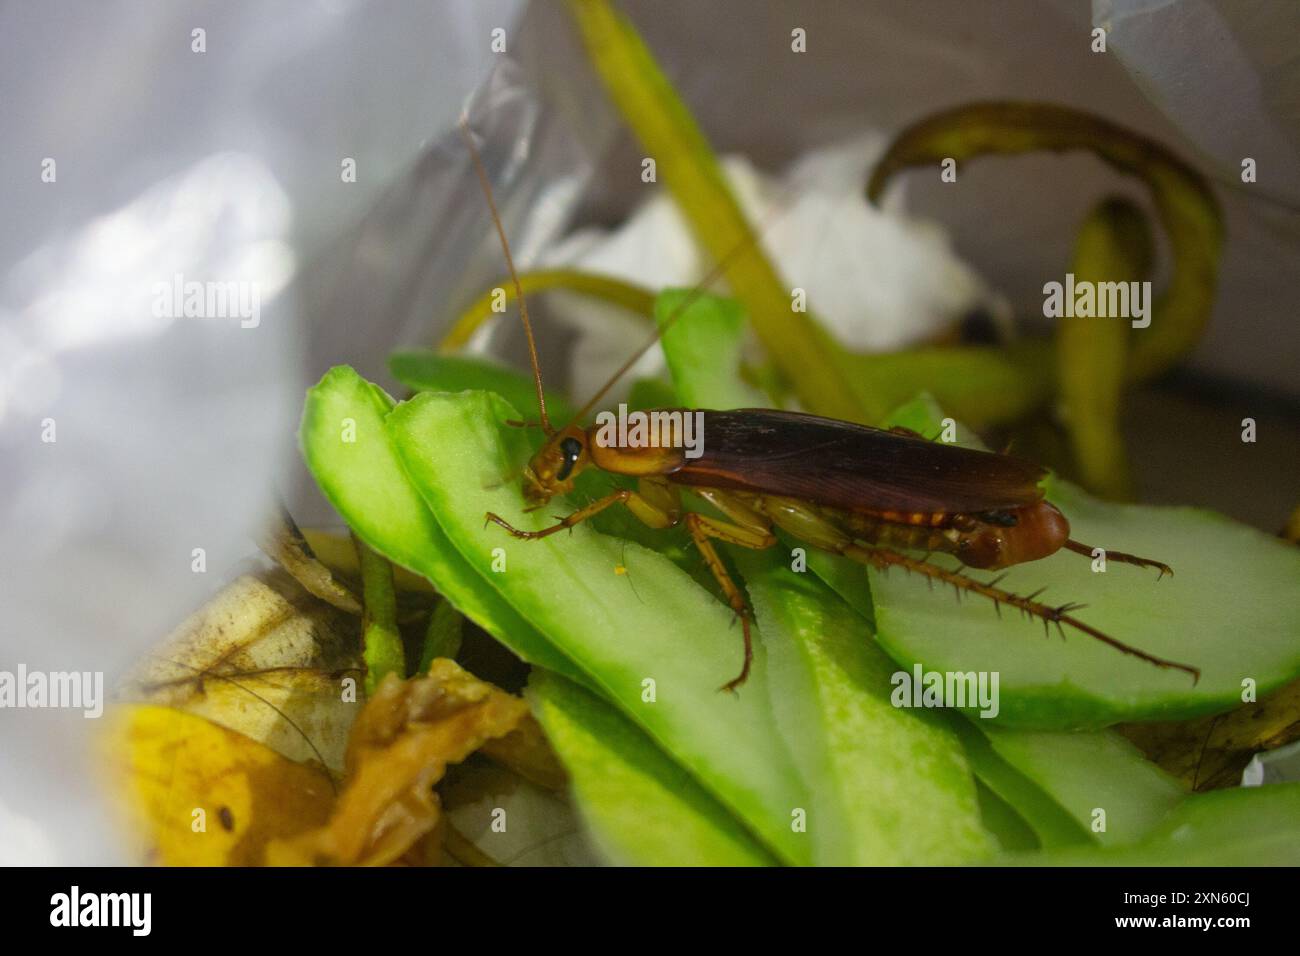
{"x": 468, "y": 135}
{"x": 719, "y": 269}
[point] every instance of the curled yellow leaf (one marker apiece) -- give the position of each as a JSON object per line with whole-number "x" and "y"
{"x": 192, "y": 793}
{"x": 400, "y": 747}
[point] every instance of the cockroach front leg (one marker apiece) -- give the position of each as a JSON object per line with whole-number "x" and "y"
{"x": 654, "y": 503}
{"x": 579, "y": 516}
{"x": 658, "y": 505}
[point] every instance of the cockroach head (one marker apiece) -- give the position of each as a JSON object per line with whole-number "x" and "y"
{"x": 551, "y": 471}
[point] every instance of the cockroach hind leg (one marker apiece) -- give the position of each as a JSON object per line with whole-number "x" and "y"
{"x": 879, "y": 557}
{"x": 1120, "y": 557}
{"x": 491, "y": 518}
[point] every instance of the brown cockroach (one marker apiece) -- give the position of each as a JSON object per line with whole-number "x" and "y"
{"x": 865, "y": 493}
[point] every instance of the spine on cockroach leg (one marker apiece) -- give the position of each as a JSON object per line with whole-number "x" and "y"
{"x": 883, "y": 559}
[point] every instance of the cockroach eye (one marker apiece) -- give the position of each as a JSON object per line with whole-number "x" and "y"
{"x": 571, "y": 448}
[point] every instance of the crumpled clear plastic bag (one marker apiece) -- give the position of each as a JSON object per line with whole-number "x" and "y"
{"x": 139, "y": 445}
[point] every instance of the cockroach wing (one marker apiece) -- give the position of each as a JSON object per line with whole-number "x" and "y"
{"x": 853, "y": 467}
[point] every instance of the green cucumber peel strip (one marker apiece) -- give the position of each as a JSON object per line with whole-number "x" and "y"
{"x": 1245, "y": 826}
{"x": 702, "y": 347}
{"x": 366, "y": 483}
{"x": 1049, "y": 823}
{"x": 1002, "y": 820}
{"x": 1100, "y": 780}
{"x": 889, "y": 786}
{"x": 640, "y": 807}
